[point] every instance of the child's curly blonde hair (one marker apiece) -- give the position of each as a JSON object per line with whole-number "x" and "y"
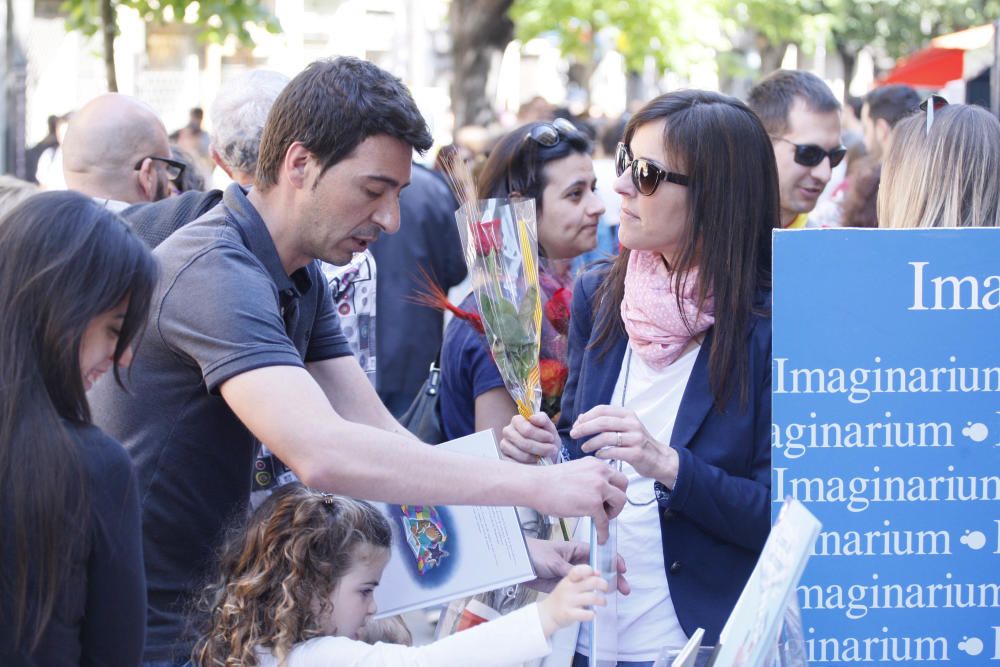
{"x": 277, "y": 572}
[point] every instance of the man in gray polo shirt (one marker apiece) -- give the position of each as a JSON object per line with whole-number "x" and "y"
{"x": 242, "y": 346}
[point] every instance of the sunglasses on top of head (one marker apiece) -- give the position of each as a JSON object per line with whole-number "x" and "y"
{"x": 810, "y": 155}
{"x": 549, "y": 134}
{"x": 930, "y": 105}
{"x": 646, "y": 176}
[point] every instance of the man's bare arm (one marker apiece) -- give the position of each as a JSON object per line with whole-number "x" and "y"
{"x": 286, "y": 409}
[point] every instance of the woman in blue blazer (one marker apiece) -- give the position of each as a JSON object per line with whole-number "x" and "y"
{"x": 670, "y": 366}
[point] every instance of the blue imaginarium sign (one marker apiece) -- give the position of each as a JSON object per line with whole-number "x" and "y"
{"x": 886, "y": 389}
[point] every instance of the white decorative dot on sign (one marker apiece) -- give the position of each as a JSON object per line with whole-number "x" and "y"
{"x": 973, "y": 646}
{"x": 976, "y": 432}
{"x": 973, "y": 539}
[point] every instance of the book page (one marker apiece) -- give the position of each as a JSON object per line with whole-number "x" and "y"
{"x": 752, "y": 629}
{"x": 440, "y": 552}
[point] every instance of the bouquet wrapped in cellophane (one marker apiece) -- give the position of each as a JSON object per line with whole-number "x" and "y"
{"x": 500, "y": 241}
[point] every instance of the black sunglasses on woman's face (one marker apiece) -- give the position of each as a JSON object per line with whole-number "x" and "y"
{"x": 646, "y": 176}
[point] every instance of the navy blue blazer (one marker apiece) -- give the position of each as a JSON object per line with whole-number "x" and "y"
{"x": 716, "y": 518}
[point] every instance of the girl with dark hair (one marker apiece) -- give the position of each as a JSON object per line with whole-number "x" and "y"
{"x": 296, "y": 589}
{"x": 670, "y": 366}
{"x": 550, "y": 163}
{"x": 75, "y": 284}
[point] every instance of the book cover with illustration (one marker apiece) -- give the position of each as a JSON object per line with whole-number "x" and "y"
{"x": 440, "y": 553}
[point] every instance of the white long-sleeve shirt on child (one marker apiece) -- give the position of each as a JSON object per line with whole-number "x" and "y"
{"x": 508, "y": 640}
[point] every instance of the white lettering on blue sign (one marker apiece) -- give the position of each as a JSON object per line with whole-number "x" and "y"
{"x": 965, "y": 293}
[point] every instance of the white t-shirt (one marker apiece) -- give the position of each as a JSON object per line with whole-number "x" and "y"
{"x": 509, "y": 640}
{"x": 647, "y": 621}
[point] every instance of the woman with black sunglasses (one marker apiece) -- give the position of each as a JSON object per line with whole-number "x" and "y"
{"x": 550, "y": 163}
{"x": 75, "y": 284}
{"x": 670, "y": 367}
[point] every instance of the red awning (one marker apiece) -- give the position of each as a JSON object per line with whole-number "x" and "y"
{"x": 942, "y": 61}
{"x": 930, "y": 68}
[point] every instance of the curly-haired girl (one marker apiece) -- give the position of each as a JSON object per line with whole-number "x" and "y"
{"x": 296, "y": 589}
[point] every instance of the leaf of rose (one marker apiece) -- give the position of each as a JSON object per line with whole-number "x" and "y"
{"x": 503, "y": 320}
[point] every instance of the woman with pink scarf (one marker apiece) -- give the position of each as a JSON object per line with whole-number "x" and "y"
{"x": 670, "y": 367}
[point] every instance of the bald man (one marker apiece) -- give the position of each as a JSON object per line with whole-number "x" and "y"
{"x": 116, "y": 150}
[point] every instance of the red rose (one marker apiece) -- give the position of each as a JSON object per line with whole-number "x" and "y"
{"x": 486, "y": 235}
{"x": 553, "y": 375}
{"x": 558, "y": 310}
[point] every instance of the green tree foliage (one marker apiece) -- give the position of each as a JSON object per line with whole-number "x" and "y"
{"x": 640, "y": 30}
{"x": 214, "y": 20}
{"x": 668, "y": 30}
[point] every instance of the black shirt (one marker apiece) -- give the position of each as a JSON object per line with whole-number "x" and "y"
{"x": 99, "y": 617}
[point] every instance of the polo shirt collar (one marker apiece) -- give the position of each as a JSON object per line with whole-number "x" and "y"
{"x": 259, "y": 241}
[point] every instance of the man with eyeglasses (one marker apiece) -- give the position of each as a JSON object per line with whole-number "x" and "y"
{"x": 116, "y": 151}
{"x": 802, "y": 116}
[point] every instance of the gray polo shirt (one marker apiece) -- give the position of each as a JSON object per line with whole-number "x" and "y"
{"x": 223, "y": 306}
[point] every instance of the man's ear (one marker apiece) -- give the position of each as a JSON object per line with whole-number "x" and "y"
{"x": 882, "y": 130}
{"x": 296, "y": 164}
{"x": 217, "y": 159}
{"x": 146, "y": 179}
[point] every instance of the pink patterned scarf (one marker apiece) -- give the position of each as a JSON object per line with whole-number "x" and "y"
{"x": 655, "y": 326}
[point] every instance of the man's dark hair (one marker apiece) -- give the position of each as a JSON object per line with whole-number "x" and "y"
{"x": 330, "y": 108}
{"x": 892, "y": 103}
{"x": 772, "y": 98}
{"x": 855, "y": 103}
{"x": 612, "y": 134}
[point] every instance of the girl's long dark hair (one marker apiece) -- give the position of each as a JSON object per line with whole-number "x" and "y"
{"x": 64, "y": 260}
{"x": 732, "y": 208}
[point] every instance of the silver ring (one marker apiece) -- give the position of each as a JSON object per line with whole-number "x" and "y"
{"x": 619, "y": 441}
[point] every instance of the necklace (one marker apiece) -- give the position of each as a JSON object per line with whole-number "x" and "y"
{"x": 628, "y": 372}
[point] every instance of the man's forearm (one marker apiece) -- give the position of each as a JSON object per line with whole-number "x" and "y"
{"x": 374, "y": 464}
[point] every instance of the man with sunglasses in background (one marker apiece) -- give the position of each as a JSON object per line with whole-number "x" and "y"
{"x": 116, "y": 151}
{"x": 802, "y": 116}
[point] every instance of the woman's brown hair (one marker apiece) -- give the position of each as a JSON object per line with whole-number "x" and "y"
{"x": 732, "y": 203}
{"x": 276, "y": 574}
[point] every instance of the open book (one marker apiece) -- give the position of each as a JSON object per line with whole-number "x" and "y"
{"x": 686, "y": 657}
{"x": 752, "y": 629}
{"x": 441, "y": 553}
